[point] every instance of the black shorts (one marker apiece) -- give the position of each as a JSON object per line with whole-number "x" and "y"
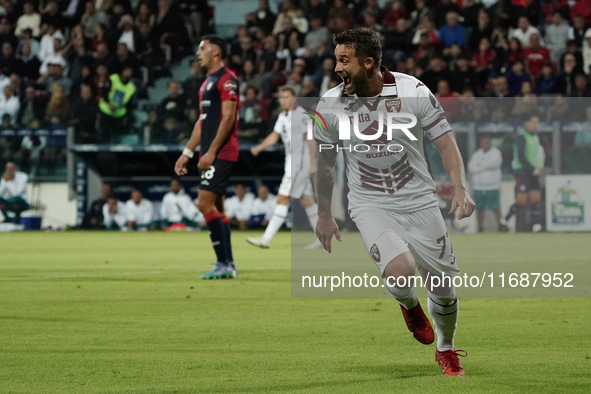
{"x": 525, "y": 182}
{"x": 216, "y": 177}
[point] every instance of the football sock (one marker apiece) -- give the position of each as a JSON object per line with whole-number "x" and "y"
{"x": 405, "y": 296}
{"x": 444, "y": 312}
{"x": 228, "y": 238}
{"x": 217, "y": 235}
{"x": 512, "y": 211}
{"x": 312, "y": 212}
{"x": 275, "y": 223}
{"x": 536, "y": 213}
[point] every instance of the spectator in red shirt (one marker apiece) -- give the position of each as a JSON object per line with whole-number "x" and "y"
{"x": 449, "y": 102}
{"x": 395, "y": 12}
{"x": 485, "y": 56}
{"x": 535, "y": 55}
{"x": 582, "y": 7}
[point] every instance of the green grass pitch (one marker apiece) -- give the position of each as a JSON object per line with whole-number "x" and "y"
{"x": 126, "y": 313}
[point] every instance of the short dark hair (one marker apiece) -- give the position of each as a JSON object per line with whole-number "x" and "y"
{"x": 219, "y": 42}
{"x": 365, "y": 41}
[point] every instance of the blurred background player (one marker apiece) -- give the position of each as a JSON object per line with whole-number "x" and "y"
{"x": 140, "y": 212}
{"x": 485, "y": 171}
{"x": 528, "y": 161}
{"x": 13, "y": 192}
{"x": 291, "y": 127}
{"x": 217, "y": 134}
{"x": 177, "y": 207}
{"x": 114, "y": 216}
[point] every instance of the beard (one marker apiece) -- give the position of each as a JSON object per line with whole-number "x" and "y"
{"x": 356, "y": 84}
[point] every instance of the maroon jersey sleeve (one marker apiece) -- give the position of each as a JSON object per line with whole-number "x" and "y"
{"x": 228, "y": 87}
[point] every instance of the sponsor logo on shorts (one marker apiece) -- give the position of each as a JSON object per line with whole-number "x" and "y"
{"x": 375, "y": 253}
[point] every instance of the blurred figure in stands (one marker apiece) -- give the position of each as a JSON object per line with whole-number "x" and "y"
{"x": 177, "y": 207}
{"x": 485, "y": 169}
{"x": 94, "y": 217}
{"x": 239, "y": 207}
{"x": 116, "y": 104}
{"x": 13, "y": 192}
{"x": 262, "y": 208}
{"x": 140, "y": 212}
{"x": 114, "y": 217}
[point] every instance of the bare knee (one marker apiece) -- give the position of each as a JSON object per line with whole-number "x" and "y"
{"x": 282, "y": 200}
{"x": 400, "y": 266}
{"x": 521, "y": 199}
{"x": 307, "y": 201}
{"x": 535, "y": 197}
{"x": 206, "y": 202}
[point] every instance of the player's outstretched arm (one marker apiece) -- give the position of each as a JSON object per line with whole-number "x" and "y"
{"x": 454, "y": 165}
{"x": 181, "y": 164}
{"x": 325, "y": 178}
{"x": 271, "y": 140}
{"x": 224, "y": 132}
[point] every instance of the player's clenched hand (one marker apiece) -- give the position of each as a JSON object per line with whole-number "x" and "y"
{"x": 463, "y": 200}
{"x": 255, "y": 151}
{"x": 181, "y": 165}
{"x": 206, "y": 161}
{"x": 325, "y": 228}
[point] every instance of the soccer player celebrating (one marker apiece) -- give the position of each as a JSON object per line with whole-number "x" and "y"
{"x": 217, "y": 134}
{"x": 291, "y": 128}
{"x": 392, "y": 193}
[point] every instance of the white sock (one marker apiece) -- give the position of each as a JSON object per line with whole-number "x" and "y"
{"x": 444, "y": 312}
{"x": 275, "y": 223}
{"x": 405, "y": 297}
{"x": 312, "y": 212}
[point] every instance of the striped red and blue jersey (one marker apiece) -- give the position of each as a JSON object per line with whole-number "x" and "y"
{"x": 218, "y": 87}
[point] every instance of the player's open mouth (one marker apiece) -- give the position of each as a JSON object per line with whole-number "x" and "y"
{"x": 348, "y": 82}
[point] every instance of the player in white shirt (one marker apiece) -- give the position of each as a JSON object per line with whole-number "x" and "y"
{"x": 140, "y": 212}
{"x": 263, "y": 207}
{"x": 392, "y": 193}
{"x": 239, "y": 206}
{"x": 114, "y": 215}
{"x": 178, "y": 207}
{"x": 13, "y": 192}
{"x": 485, "y": 177}
{"x": 291, "y": 127}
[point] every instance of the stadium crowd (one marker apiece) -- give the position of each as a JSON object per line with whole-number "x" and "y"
{"x": 60, "y": 58}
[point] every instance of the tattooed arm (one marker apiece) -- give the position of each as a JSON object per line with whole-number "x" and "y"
{"x": 325, "y": 178}
{"x": 454, "y": 165}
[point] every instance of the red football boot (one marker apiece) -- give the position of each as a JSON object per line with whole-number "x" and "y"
{"x": 450, "y": 362}
{"x": 418, "y": 324}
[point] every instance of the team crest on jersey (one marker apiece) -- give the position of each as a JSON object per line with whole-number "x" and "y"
{"x": 393, "y": 105}
{"x": 209, "y": 85}
{"x": 375, "y": 253}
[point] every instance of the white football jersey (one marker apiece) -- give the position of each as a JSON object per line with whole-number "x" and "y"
{"x": 292, "y": 127}
{"x": 380, "y": 173}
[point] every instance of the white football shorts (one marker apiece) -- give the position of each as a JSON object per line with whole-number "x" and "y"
{"x": 297, "y": 185}
{"x": 423, "y": 233}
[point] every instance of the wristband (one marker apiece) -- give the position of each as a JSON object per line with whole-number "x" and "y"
{"x": 188, "y": 152}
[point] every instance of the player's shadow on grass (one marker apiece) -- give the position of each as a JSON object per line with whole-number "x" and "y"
{"x": 399, "y": 371}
